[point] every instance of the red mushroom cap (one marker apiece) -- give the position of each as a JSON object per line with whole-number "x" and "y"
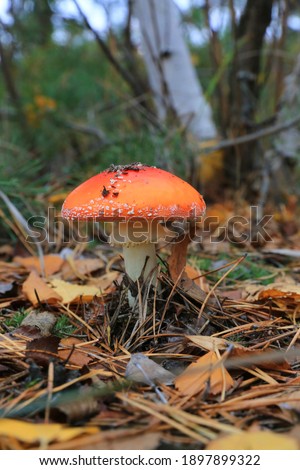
{"x": 133, "y": 191}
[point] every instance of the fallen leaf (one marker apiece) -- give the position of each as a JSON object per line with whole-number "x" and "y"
{"x": 257, "y": 440}
{"x": 79, "y": 268}
{"x": 75, "y": 411}
{"x": 52, "y": 263}
{"x": 105, "y": 283}
{"x": 195, "y": 275}
{"x": 281, "y": 290}
{"x": 202, "y": 372}
{"x": 77, "y": 357}
{"x": 284, "y": 294}
{"x": 42, "y": 350}
{"x": 210, "y": 343}
{"x": 74, "y": 292}
{"x": 45, "y": 321}
{"x": 26, "y": 332}
{"x": 143, "y": 370}
{"x": 35, "y": 289}
{"x": 42, "y": 433}
{"x": 284, "y": 288}
{"x": 256, "y": 358}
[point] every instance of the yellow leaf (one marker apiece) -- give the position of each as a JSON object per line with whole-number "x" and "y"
{"x": 35, "y": 289}
{"x": 74, "y": 292}
{"x": 257, "y": 440}
{"x": 201, "y": 373}
{"x": 42, "y": 433}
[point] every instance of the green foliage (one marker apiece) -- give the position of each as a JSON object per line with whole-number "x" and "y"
{"x": 251, "y": 271}
{"x": 15, "y": 320}
{"x": 69, "y": 91}
{"x": 63, "y": 327}
{"x": 254, "y": 269}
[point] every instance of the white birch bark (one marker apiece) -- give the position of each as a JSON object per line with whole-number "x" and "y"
{"x": 172, "y": 76}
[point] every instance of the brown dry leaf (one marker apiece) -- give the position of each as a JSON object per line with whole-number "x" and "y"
{"x": 35, "y": 286}
{"x": 52, "y": 263}
{"x": 198, "y": 374}
{"x": 281, "y": 290}
{"x": 193, "y": 274}
{"x": 285, "y": 294}
{"x": 105, "y": 283}
{"x": 77, "y": 357}
{"x": 42, "y": 433}
{"x": 256, "y": 440}
{"x": 210, "y": 343}
{"x": 42, "y": 350}
{"x": 261, "y": 358}
{"x": 74, "y": 292}
{"x": 76, "y": 411}
{"x": 79, "y": 268}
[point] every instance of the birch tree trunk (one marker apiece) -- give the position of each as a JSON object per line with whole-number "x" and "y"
{"x": 172, "y": 77}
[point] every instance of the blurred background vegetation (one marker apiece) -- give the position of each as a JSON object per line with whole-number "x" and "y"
{"x": 75, "y": 97}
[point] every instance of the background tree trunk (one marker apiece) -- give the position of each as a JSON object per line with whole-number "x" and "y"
{"x": 244, "y": 162}
{"x": 172, "y": 77}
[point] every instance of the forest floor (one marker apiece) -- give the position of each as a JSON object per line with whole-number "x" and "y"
{"x": 210, "y": 360}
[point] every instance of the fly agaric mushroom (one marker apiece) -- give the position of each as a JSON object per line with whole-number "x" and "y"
{"x": 140, "y": 201}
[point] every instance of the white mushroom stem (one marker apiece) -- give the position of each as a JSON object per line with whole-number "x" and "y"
{"x": 138, "y": 239}
{"x": 140, "y": 259}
